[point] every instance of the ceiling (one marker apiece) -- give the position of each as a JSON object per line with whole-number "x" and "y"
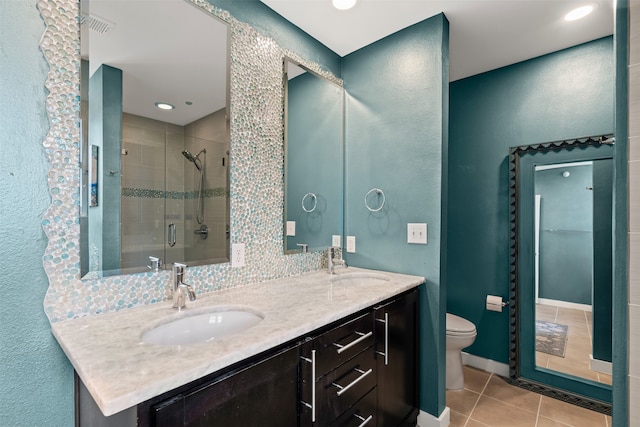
{"x": 168, "y": 50}
{"x": 165, "y": 48}
{"x": 484, "y": 34}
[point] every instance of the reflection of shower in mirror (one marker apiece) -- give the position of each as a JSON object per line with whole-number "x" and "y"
{"x": 194, "y": 159}
{"x": 200, "y": 166}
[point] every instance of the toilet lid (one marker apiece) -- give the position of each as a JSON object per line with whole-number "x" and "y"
{"x": 458, "y": 324}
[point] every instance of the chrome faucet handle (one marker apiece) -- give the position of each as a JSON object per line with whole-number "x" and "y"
{"x": 304, "y": 247}
{"x": 155, "y": 263}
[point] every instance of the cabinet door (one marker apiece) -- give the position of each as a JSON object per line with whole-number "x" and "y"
{"x": 397, "y": 361}
{"x": 262, "y": 394}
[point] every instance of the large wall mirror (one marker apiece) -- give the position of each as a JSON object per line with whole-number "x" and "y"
{"x": 314, "y": 162}
{"x": 561, "y": 263}
{"x": 155, "y": 136}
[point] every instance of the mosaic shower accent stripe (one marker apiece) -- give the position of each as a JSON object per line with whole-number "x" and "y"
{"x": 146, "y": 193}
{"x": 256, "y": 193}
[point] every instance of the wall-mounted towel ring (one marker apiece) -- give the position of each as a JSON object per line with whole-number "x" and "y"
{"x": 315, "y": 202}
{"x": 379, "y": 192}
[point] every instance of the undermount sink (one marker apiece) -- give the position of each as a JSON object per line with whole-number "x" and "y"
{"x": 203, "y": 326}
{"x": 359, "y": 278}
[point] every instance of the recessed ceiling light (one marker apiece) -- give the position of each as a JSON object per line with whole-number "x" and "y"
{"x": 164, "y": 106}
{"x": 344, "y": 4}
{"x": 578, "y": 13}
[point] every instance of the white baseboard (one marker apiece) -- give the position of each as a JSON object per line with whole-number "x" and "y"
{"x": 600, "y": 365}
{"x": 428, "y": 420}
{"x": 487, "y": 365}
{"x": 564, "y": 304}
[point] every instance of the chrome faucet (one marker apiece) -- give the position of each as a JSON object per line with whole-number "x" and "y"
{"x": 181, "y": 289}
{"x": 155, "y": 264}
{"x": 332, "y": 262}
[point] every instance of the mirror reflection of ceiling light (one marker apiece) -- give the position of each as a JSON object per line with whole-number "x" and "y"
{"x": 164, "y": 106}
{"x": 344, "y": 4}
{"x": 578, "y": 13}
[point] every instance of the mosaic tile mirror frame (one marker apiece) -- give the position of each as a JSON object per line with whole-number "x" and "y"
{"x": 256, "y": 170}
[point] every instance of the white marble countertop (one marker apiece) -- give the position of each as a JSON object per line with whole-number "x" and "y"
{"x": 120, "y": 371}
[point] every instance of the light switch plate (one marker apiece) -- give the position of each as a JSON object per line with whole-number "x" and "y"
{"x": 291, "y": 228}
{"x": 417, "y": 233}
{"x": 351, "y": 244}
{"x": 336, "y": 240}
{"x": 237, "y": 255}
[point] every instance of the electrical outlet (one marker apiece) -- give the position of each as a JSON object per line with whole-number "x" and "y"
{"x": 237, "y": 255}
{"x": 336, "y": 240}
{"x": 291, "y": 228}
{"x": 417, "y": 233}
{"x": 351, "y": 244}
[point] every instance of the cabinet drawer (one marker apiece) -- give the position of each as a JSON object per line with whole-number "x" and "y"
{"x": 340, "y": 389}
{"x": 340, "y": 344}
{"x": 362, "y": 414}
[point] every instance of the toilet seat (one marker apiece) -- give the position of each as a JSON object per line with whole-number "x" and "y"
{"x": 458, "y": 326}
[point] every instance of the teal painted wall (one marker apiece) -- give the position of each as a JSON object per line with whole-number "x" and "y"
{"x": 566, "y": 234}
{"x": 105, "y": 130}
{"x": 603, "y": 252}
{"x": 36, "y": 380}
{"x": 562, "y": 95}
{"x": 396, "y": 140}
{"x": 314, "y": 160}
{"x": 621, "y": 220}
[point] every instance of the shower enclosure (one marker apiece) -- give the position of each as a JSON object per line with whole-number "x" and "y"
{"x": 174, "y": 202}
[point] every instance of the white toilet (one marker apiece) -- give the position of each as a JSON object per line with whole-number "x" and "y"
{"x": 460, "y": 334}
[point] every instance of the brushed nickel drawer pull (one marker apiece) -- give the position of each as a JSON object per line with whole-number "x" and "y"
{"x": 386, "y": 339}
{"x": 354, "y": 382}
{"x": 312, "y": 406}
{"x": 364, "y": 421}
{"x": 363, "y": 337}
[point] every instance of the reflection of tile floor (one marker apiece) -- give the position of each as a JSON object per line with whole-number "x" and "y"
{"x": 576, "y": 359}
{"x": 487, "y": 400}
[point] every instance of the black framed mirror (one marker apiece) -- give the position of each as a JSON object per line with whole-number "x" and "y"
{"x": 561, "y": 210}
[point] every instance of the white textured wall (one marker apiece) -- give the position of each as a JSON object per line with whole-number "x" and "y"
{"x": 634, "y": 213}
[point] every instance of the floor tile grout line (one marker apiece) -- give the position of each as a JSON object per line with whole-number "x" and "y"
{"x": 538, "y": 411}
{"x": 478, "y": 400}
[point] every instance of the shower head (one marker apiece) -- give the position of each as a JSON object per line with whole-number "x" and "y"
{"x": 194, "y": 159}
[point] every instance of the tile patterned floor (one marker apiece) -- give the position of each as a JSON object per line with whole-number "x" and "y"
{"x": 576, "y": 360}
{"x": 487, "y": 400}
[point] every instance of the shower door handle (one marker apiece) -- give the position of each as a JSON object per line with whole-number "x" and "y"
{"x": 171, "y": 235}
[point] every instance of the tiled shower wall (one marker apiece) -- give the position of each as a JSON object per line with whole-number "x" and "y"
{"x": 143, "y": 181}
{"x": 634, "y": 213}
{"x": 160, "y": 187}
{"x": 210, "y": 133}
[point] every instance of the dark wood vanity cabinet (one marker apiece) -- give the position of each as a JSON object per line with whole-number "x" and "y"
{"x": 358, "y": 372}
{"x": 337, "y": 370}
{"x": 264, "y": 393}
{"x": 397, "y": 361}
